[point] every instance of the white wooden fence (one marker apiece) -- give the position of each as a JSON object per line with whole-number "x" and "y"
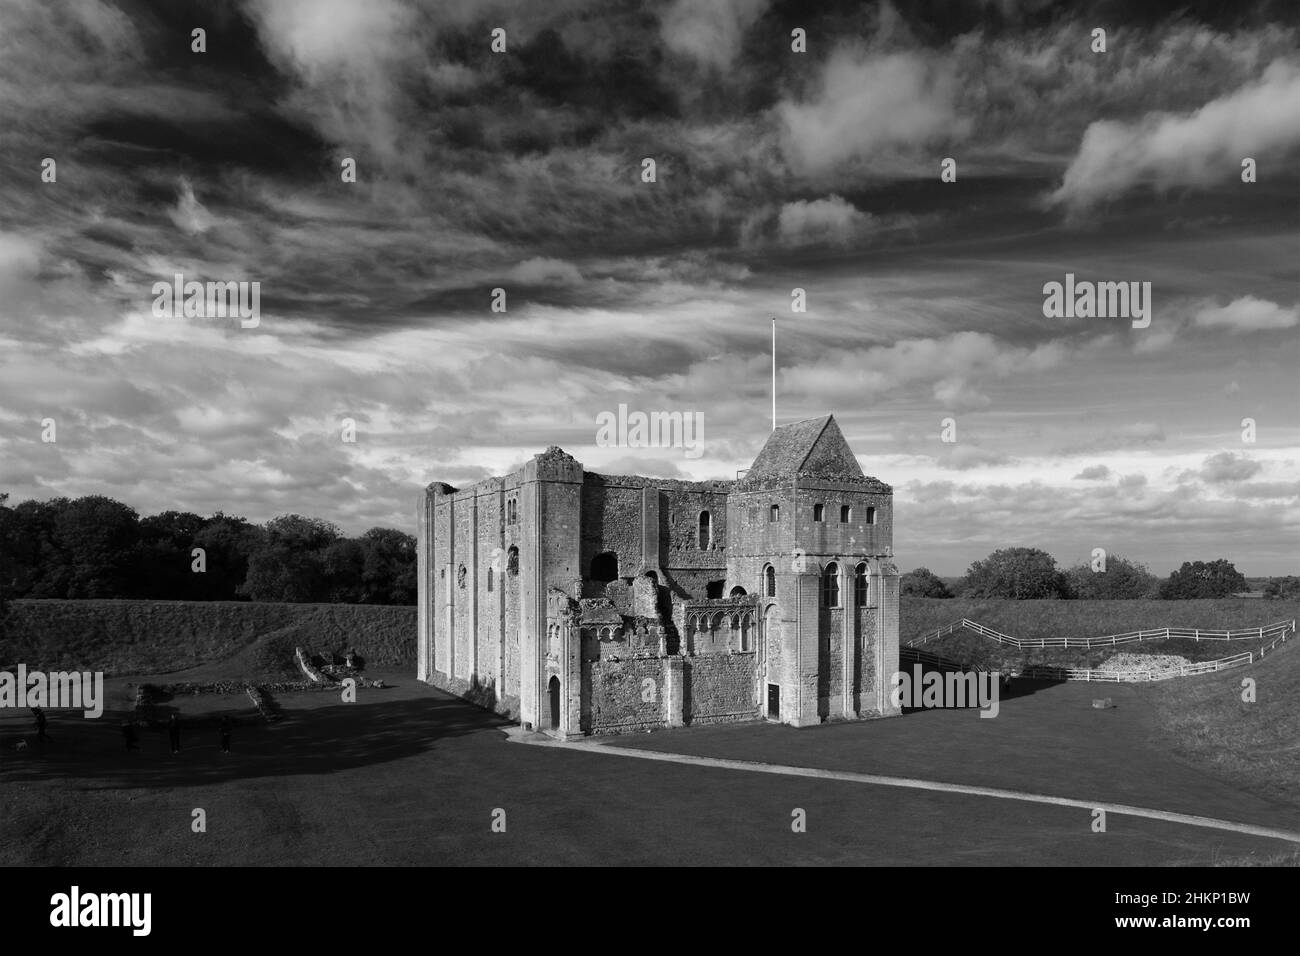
{"x": 1279, "y": 632}
{"x": 1112, "y": 640}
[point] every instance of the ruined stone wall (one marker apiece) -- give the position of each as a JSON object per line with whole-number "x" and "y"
{"x": 864, "y": 669}
{"x": 611, "y": 521}
{"x": 618, "y": 690}
{"x": 720, "y": 688}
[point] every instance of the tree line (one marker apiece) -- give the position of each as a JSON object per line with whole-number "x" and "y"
{"x": 96, "y": 547}
{"x": 1030, "y": 573}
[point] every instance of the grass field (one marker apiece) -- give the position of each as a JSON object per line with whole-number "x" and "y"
{"x": 412, "y": 776}
{"x": 1207, "y": 722}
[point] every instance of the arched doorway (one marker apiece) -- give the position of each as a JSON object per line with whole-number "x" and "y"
{"x": 554, "y": 688}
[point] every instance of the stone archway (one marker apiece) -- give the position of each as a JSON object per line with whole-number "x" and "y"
{"x": 554, "y": 689}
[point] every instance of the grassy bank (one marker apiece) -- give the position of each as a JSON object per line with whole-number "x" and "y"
{"x": 158, "y": 637}
{"x": 1079, "y": 619}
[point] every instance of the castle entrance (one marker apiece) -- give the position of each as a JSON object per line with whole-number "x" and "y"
{"x": 554, "y": 688}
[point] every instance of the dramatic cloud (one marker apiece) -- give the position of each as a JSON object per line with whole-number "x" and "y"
{"x": 829, "y": 220}
{"x": 1248, "y": 314}
{"x": 1226, "y": 466}
{"x": 1197, "y": 150}
{"x": 870, "y": 106}
{"x": 777, "y": 171}
{"x": 709, "y": 31}
{"x": 1094, "y": 473}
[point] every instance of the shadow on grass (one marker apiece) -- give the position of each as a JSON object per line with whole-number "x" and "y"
{"x": 1020, "y": 687}
{"x": 315, "y": 738}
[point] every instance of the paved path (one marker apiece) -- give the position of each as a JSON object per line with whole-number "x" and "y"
{"x": 519, "y": 735}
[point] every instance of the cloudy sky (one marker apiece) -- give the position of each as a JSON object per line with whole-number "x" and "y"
{"x": 775, "y": 170}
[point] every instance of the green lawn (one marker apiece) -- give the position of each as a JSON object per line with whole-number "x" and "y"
{"x": 410, "y": 775}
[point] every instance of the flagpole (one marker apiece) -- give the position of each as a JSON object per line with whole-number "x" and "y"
{"x": 774, "y": 373}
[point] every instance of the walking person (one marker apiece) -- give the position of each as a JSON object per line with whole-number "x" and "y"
{"x": 174, "y": 733}
{"x": 224, "y": 730}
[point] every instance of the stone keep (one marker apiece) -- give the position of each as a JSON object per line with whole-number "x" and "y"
{"x": 581, "y": 603}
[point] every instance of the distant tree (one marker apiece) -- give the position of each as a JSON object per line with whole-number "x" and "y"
{"x": 166, "y": 557}
{"x": 228, "y": 542}
{"x": 1017, "y": 573}
{"x": 290, "y": 563}
{"x": 280, "y": 573}
{"x": 1201, "y": 579}
{"x": 8, "y": 570}
{"x": 343, "y": 562}
{"x": 40, "y": 566}
{"x": 302, "y": 533}
{"x": 390, "y": 566}
{"x": 923, "y": 583}
{"x": 99, "y": 540}
{"x": 1122, "y": 580}
{"x": 1284, "y": 587}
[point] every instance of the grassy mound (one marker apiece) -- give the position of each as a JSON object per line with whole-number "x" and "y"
{"x": 235, "y": 639}
{"x": 1080, "y": 619}
{"x": 1207, "y": 721}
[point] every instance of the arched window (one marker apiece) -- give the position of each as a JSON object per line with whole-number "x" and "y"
{"x": 774, "y": 513}
{"x": 489, "y": 579}
{"x": 846, "y": 514}
{"x": 746, "y": 639}
{"x": 604, "y": 566}
{"x": 819, "y": 511}
{"x": 871, "y": 516}
{"x": 512, "y": 560}
{"x": 860, "y": 586}
{"x": 769, "y": 581}
{"x": 737, "y": 591}
{"x": 706, "y": 531}
{"x": 460, "y": 577}
{"x": 831, "y": 585}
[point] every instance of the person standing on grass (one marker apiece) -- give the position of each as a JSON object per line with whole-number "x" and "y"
{"x": 40, "y": 722}
{"x": 174, "y": 733}
{"x": 224, "y": 730}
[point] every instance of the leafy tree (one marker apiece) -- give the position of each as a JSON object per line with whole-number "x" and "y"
{"x": 389, "y": 571}
{"x": 227, "y": 542}
{"x": 923, "y": 583}
{"x": 1201, "y": 579}
{"x": 301, "y": 533}
{"x": 41, "y": 568}
{"x": 1018, "y": 573}
{"x": 343, "y": 562}
{"x": 1122, "y": 580}
{"x": 8, "y": 530}
{"x": 99, "y": 540}
{"x": 166, "y": 558}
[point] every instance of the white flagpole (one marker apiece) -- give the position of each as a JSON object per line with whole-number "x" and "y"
{"x": 774, "y": 373}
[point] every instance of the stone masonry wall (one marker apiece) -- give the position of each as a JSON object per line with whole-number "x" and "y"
{"x": 721, "y": 688}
